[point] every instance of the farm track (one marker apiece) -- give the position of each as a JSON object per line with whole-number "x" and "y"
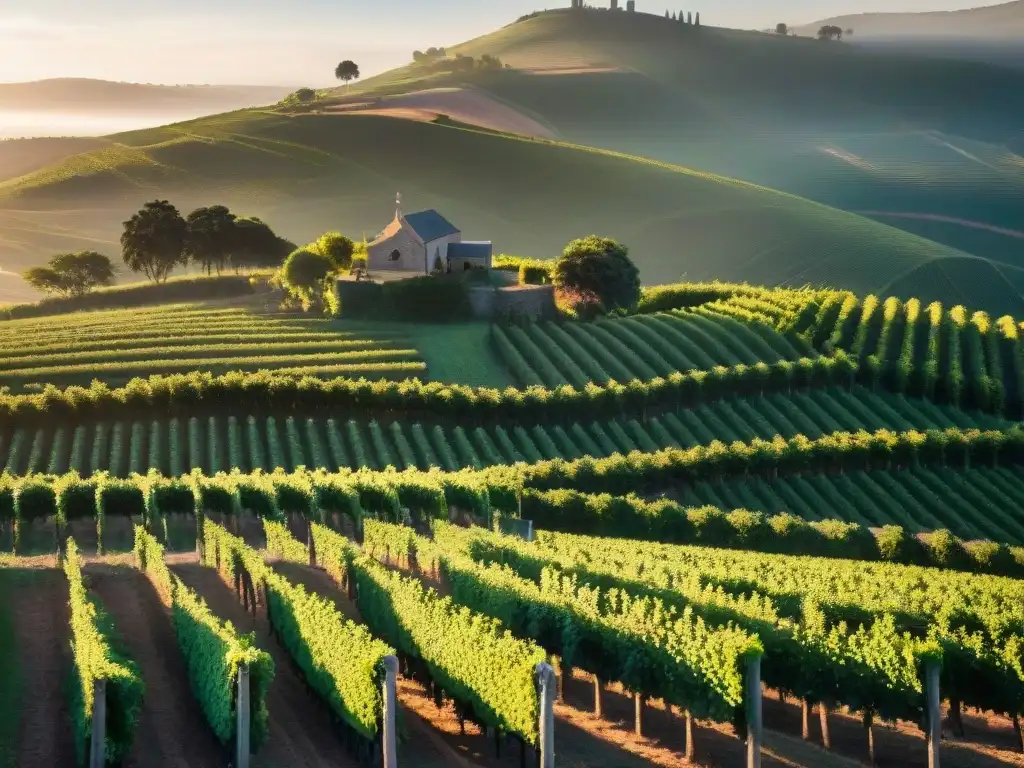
{"x": 301, "y": 732}
{"x": 43, "y": 639}
{"x": 171, "y": 731}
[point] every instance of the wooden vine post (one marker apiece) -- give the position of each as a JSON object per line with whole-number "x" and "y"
{"x": 805, "y": 719}
{"x": 691, "y": 746}
{"x": 597, "y": 697}
{"x": 826, "y": 735}
{"x": 98, "y": 742}
{"x": 933, "y": 716}
{"x": 869, "y": 732}
{"x": 546, "y": 685}
{"x": 388, "y": 739}
{"x": 753, "y": 707}
{"x": 640, "y": 702}
{"x": 242, "y": 723}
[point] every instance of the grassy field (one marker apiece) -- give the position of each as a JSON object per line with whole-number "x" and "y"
{"x": 305, "y": 175}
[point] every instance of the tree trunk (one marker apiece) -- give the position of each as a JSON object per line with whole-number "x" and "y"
{"x": 560, "y": 690}
{"x": 870, "y": 733}
{"x": 691, "y": 748}
{"x": 956, "y": 722}
{"x": 597, "y": 697}
{"x": 639, "y": 702}
{"x": 826, "y": 738}
{"x": 805, "y": 719}
{"x": 1020, "y": 733}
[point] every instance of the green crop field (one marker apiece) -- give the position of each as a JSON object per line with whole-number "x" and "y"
{"x": 791, "y": 421}
{"x": 115, "y": 346}
{"x": 709, "y": 515}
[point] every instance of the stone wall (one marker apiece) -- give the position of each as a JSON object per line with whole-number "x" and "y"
{"x": 534, "y": 301}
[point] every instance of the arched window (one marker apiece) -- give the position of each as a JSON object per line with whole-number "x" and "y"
{"x": 395, "y": 255}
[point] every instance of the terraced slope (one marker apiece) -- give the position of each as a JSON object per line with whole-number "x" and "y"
{"x": 641, "y": 347}
{"x": 314, "y": 173}
{"x": 115, "y": 346}
{"x": 219, "y": 443}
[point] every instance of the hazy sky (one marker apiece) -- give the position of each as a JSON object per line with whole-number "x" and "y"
{"x": 298, "y": 42}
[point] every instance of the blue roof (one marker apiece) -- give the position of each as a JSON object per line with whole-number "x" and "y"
{"x": 430, "y": 225}
{"x": 469, "y": 251}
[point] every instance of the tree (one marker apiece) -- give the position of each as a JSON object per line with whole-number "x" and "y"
{"x": 781, "y": 28}
{"x": 304, "y": 275}
{"x": 305, "y": 95}
{"x": 848, "y": 32}
{"x": 211, "y": 237}
{"x": 71, "y": 274}
{"x": 153, "y": 241}
{"x": 347, "y": 71}
{"x": 336, "y": 247}
{"x": 598, "y": 271}
{"x": 257, "y": 246}
{"x": 689, "y": 17}
{"x": 830, "y": 31}
{"x": 696, "y": 21}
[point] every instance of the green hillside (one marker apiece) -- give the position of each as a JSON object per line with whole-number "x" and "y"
{"x": 857, "y": 128}
{"x": 308, "y": 174}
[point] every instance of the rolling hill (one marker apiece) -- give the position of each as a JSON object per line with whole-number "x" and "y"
{"x": 1005, "y": 20}
{"x": 851, "y": 126}
{"x": 307, "y": 174}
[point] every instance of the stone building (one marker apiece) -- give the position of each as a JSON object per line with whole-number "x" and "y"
{"x": 423, "y": 241}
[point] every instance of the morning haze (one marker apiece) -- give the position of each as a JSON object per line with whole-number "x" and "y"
{"x": 402, "y": 384}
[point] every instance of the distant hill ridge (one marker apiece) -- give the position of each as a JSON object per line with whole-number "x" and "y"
{"x": 80, "y": 93}
{"x": 1005, "y": 20}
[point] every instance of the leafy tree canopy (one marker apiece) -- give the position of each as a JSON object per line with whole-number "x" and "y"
{"x": 211, "y": 237}
{"x": 346, "y": 71}
{"x": 598, "y": 270}
{"x": 336, "y": 247}
{"x": 72, "y": 274}
{"x": 153, "y": 241}
{"x": 256, "y": 246}
{"x": 305, "y": 269}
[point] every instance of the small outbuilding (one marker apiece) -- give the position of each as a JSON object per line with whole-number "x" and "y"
{"x": 425, "y": 242}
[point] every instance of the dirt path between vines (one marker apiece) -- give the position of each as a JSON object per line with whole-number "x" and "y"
{"x": 301, "y": 732}
{"x": 171, "y": 732}
{"x": 42, "y": 633}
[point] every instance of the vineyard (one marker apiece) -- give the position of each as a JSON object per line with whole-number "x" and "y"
{"x": 116, "y": 346}
{"x": 732, "y": 509}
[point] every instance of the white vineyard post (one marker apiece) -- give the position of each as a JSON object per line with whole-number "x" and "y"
{"x": 753, "y": 712}
{"x": 546, "y": 732}
{"x": 934, "y": 721}
{"x": 242, "y": 723}
{"x": 389, "y": 742}
{"x": 98, "y": 745}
